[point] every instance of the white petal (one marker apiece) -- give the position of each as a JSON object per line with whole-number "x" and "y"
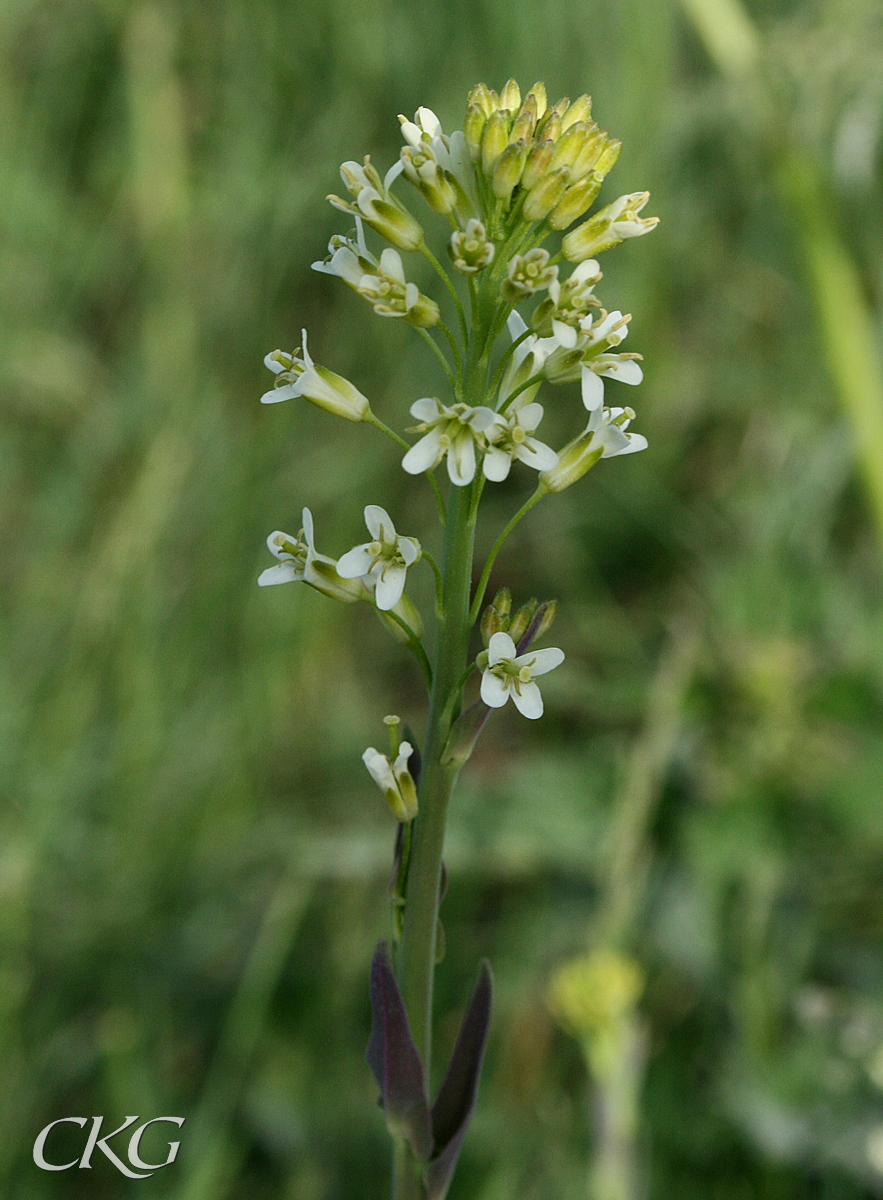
{"x": 412, "y": 295}
{"x": 494, "y": 691}
{"x": 401, "y": 762}
{"x": 379, "y": 768}
{"x": 515, "y": 324}
{"x": 530, "y": 416}
{"x": 637, "y": 441}
{"x": 355, "y": 563}
{"x": 288, "y": 391}
{"x": 409, "y": 548}
{"x": 614, "y": 441}
{"x": 273, "y": 363}
{"x": 565, "y": 334}
{"x": 541, "y": 661}
{"x": 586, "y": 270}
{"x": 425, "y": 454}
{"x": 429, "y": 121}
{"x": 500, "y": 646}
{"x": 304, "y": 351}
{"x": 412, "y": 134}
{"x": 627, "y": 371}
{"x": 390, "y": 585}
{"x": 497, "y": 464}
{"x": 461, "y": 460}
{"x": 392, "y": 174}
{"x": 425, "y": 410}
{"x": 592, "y": 389}
{"x": 274, "y": 544}
{"x": 283, "y": 572}
{"x": 306, "y": 520}
{"x": 529, "y": 702}
{"x": 537, "y": 454}
{"x": 391, "y": 264}
{"x": 379, "y": 523}
{"x": 481, "y": 418}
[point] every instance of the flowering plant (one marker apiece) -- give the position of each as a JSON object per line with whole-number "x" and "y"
{"x": 518, "y": 172}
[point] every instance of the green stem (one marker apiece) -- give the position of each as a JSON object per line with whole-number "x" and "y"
{"x": 373, "y": 419}
{"x": 501, "y": 366}
{"x": 413, "y": 641}
{"x": 445, "y": 365}
{"x": 439, "y": 585}
{"x": 452, "y": 342}
{"x": 446, "y": 280}
{"x": 495, "y": 550}
{"x": 534, "y": 379}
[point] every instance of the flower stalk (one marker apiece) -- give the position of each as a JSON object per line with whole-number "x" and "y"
{"x": 518, "y": 172}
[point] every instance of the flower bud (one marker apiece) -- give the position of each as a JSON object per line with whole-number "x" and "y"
{"x": 484, "y": 99}
{"x": 576, "y": 200}
{"x": 494, "y": 140}
{"x": 593, "y": 146}
{"x": 495, "y": 618}
{"x": 580, "y": 110}
{"x": 519, "y": 623}
{"x": 578, "y": 457}
{"x": 550, "y": 129}
{"x": 608, "y": 157}
{"x": 550, "y": 611}
{"x": 538, "y": 163}
{"x": 471, "y": 250}
{"x": 510, "y": 96}
{"x": 391, "y": 222}
{"x": 473, "y": 127}
{"x": 408, "y": 613}
{"x": 538, "y": 91}
{"x": 325, "y": 579}
{"x": 507, "y": 171}
{"x": 609, "y": 227}
{"x": 543, "y": 198}
{"x": 502, "y": 602}
{"x": 428, "y": 177}
{"x": 526, "y": 121}
{"x": 569, "y": 145}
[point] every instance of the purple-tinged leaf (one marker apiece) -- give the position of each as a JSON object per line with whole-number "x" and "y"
{"x": 393, "y": 1058}
{"x": 455, "y": 1102}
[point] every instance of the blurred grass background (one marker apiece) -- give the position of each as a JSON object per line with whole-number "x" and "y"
{"x": 192, "y": 861}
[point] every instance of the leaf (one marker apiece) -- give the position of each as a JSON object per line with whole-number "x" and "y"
{"x": 394, "y": 1061}
{"x": 455, "y": 1102}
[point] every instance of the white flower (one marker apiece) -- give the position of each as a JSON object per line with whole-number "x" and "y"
{"x": 299, "y": 562}
{"x": 377, "y": 206}
{"x": 382, "y": 562}
{"x": 438, "y": 164}
{"x": 510, "y": 438}
{"x": 394, "y": 780}
{"x": 609, "y": 227}
{"x": 449, "y": 430}
{"x": 527, "y": 360}
{"x": 392, "y": 296}
{"x": 568, "y": 300}
{"x": 297, "y": 375}
{"x": 348, "y": 259}
{"x": 604, "y": 437}
{"x": 509, "y": 673}
{"x": 584, "y": 355}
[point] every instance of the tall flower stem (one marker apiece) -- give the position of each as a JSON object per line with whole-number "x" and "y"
{"x": 418, "y": 945}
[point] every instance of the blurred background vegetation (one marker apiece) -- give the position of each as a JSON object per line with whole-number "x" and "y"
{"x": 193, "y": 862}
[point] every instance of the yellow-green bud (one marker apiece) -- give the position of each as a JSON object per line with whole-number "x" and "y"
{"x": 325, "y": 579}
{"x": 521, "y": 620}
{"x": 502, "y": 602}
{"x": 336, "y": 395}
{"x": 538, "y": 163}
{"x": 568, "y": 146}
{"x": 508, "y": 169}
{"x": 580, "y": 110}
{"x": 473, "y": 127}
{"x": 576, "y": 200}
{"x": 562, "y": 106}
{"x": 493, "y": 621}
{"x": 526, "y": 121}
{"x": 543, "y": 198}
{"x": 550, "y": 129}
{"x": 551, "y": 611}
{"x": 482, "y": 97}
{"x": 607, "y": 158}
{"x": 510, "y": 96}
{"x": 494, "y": 140}
{"x": 538, "y": 91}
{"x": 591, "y": 150}
{"x": 574, "y": 461}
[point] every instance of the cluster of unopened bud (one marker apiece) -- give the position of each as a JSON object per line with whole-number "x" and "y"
{"x": 470, "y": 249}
{"x": 499, "y": 618}
{"x": 553, "y": 158}
{"x": 526, "y": 274}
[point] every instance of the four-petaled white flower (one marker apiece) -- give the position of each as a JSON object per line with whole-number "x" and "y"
{"x": 604, "y": 437}
{"x": 394, "y": 780}
{"x": 511, "y": 437}
{"x": 527, "y": 359}
{"x": 584, "y": 355}
{"x": 438, "y": 164}
{"x": 448, "y": 430}
{"x": 383, "y": 562}
{"x": 297, "y": 375}
{"x": 300, "y": 562}
{"x": 511, "y": 674}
